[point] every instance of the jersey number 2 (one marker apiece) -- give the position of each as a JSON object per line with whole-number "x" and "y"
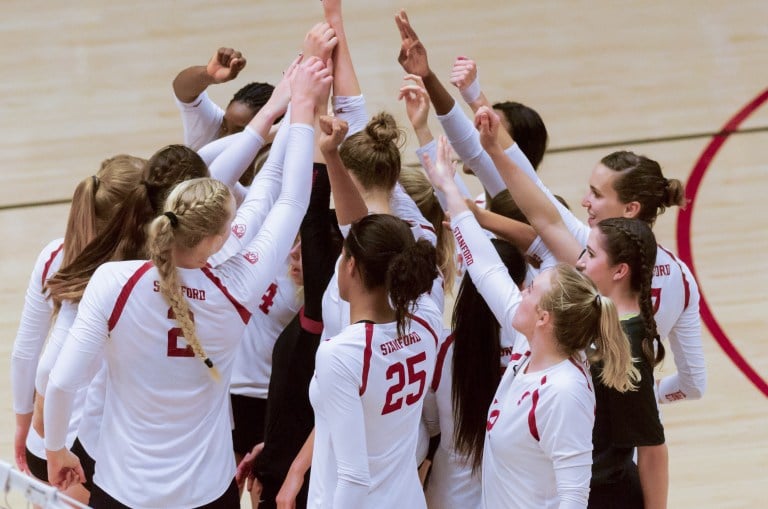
{"x": 173, "y": 338}
{"x": 394, "y": 400}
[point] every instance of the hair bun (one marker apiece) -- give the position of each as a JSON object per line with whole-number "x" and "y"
{"x": 382, "y": 129}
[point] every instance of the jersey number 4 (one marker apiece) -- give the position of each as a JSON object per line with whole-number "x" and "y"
{"x": 397, "y": 371}
{"x": 174, "y": 350}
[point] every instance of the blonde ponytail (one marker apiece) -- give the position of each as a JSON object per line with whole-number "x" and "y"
{"x": 612, "y": 349}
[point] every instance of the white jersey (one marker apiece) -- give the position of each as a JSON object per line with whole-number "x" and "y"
{"x": 34, "y": 326}
{"x": 202, "y": 120}
{"x": 673, "y": 284}
{"x": 167, "y": 420}
{"x": 367, "y": 393}
{"x": 253, "y": 364}
{"x": 538, "y": 443}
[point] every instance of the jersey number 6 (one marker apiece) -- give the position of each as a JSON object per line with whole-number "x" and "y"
{"x": 394, "y": 400}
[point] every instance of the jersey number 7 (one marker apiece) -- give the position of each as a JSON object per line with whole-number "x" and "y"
{"x": 397, "y": 371}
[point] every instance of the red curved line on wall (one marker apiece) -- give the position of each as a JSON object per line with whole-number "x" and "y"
{"x": 684, "y": 244}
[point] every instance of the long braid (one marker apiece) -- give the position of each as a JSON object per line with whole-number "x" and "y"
{"x": 195, "y": 212}
{"x": 641, "y": 257}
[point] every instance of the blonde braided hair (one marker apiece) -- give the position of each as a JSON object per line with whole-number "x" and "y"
{"x": 194, "y": 210}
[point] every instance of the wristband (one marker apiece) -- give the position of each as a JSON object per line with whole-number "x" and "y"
{"x": 472, "y": 92}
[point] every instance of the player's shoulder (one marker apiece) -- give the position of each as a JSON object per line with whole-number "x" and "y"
{"x": 120, "y": 272}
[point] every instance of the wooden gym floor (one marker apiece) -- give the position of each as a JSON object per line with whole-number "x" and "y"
{"x": 88, "y": 79}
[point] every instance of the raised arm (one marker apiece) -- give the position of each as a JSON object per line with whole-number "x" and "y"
{"x": 223, "y": 66}
{"x": 539, "y": 210}
{"x": 346, "y": 198}
{"x": 464, "y": 76}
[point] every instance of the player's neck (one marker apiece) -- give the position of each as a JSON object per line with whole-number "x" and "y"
{"x": 371, "y": 305}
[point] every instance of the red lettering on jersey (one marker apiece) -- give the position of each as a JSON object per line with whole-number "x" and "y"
{"x": 414, "y": 376}
{"x": 656, "y": 299}
{"x": 268, "y": 299}
{"x": 156, "y": 286}
{"x": 466, "y": 253}
{"x": 174, "y": 350}
{"x": 238, "y": 230}
{"x": 493, "y": 416}
{"x": 675, "y": 396}
{"x": 251, "y": 257}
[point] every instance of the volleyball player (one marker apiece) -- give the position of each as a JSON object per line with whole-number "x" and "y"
{"x": 93, "y": 203}
{"x": 170, "y": 465}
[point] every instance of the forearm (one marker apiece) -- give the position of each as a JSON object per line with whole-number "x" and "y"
{"x": 515, "y": 232}
{"x": 438, "y": 94}
{"x": 345, "y": 82}
{"x": 346, "y": 198}
{"x": 653, "y": 467}
{"x": 191, "y": 82}
{"x": 303, "y": 460}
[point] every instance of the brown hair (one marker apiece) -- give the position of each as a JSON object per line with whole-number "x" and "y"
{"x": 640, "y": 179}
{"x": 373, "y": 154}
{"x": 421, "y": 191}
{"x": 95, "y": 200}
{"x": 386, "y": 254}
{"x": 199, "y": 208}
{"x": 124, "y": 236}
{"x": 581, "y": 318}
{"x": 631, "y": 241}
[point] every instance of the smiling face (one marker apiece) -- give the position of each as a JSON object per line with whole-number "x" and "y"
{"x": 595, "y": 262}
{"x": 601, "y": 200}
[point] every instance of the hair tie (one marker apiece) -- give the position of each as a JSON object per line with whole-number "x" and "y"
{"x": 598, "y": 301}
{"x": 96, "y": 182}
{"x": 208, "y": 362}
{"x": 173, "y": 219}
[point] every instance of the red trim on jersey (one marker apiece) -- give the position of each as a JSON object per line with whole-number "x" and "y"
{"x": 367, "y": 356}
{"x": 532, "y": 414}
{"x": 440, "y": 360}
{"x": 583, "y": 372}
{"x": 48, "y": 264}
{"x": 686, "y": 285}
{"x": 245, "y": 315}
{"x": 426, "y": 326}
{"x": 308, "y": 324}
{"x": 428, "y": 227}
{"x": 122, "y": 298}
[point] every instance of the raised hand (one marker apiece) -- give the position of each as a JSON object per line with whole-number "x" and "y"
{"x": 464, "y": 73}
{"x": 312, "y": 80}
{"x": 334, "y": 130}
{"x": 225, "y": 65}
{"x": 64, "y": 469}
{"x": 441, "y": 172}
{"x": 413, "y": 54}
{"x": 416, "y": 101}
{"x": 281, "y": 95}
{"x": 487, "y": 122}
{"x": 320, "y": 41}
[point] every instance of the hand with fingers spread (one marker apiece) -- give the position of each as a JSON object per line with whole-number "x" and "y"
{"x": 416, "y": 102}
{"x": 225, "y": 65}
{"x": 334, "y": 130}
{"x": 487, "y": 122}
{"x": 320, "y": 41}
{"x": 441, "y": 172}
{"x": 64, "y": 469}
{"x": 413, "y": 54}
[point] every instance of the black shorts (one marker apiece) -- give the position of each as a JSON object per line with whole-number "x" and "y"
{"x": 38, "y": 466}
{"x": 100, "y": 499}
{"x": 626, "y": 493}
{"x": 88, "y": 463}
{"x": 249, "y": 414}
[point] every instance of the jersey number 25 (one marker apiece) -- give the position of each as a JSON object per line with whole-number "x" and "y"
{"x": 397, "y": 371}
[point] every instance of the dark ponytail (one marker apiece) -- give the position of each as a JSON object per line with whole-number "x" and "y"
{"x": 387, "y": 255}
{"x": 476, "y": 355}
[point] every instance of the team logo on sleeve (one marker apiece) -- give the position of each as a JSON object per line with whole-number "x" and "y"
{"x": 238, "y": 230}
{"x": 251, "y": 257}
